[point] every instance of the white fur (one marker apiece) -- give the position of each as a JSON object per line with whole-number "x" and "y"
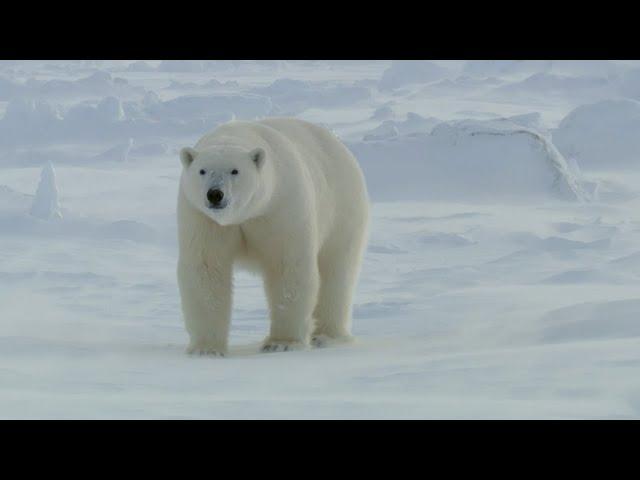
{"x": 297, "y": 213}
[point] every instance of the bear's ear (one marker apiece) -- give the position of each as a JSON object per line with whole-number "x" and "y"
{"x": 258, "y": 156}
{"x": 187, "y": 155}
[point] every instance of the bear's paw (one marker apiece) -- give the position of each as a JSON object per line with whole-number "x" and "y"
{"x": 199, "y": 350}
{"x": 270, "y": 346}
{"x": 321, "y": 340}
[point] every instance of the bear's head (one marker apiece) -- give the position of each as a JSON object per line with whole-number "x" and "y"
{"x": 226, "y": 182}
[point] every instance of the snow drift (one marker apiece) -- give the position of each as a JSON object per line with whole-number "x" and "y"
{"x": 295, "y": 96}
{"x": 45, "y": 204}
{"x": 487, "y": 68}
{"x": 98, "y": 84}
{"x": 602, "y": 135}
{"x": 35, "y": 122}
{"x": 413, "y": 123}
{"x": 474, "y": 160}
{"x": 407, "y": 72}
{"x": 546, "y": 84}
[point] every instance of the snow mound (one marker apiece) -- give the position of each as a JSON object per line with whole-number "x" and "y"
{"x": 119, "y": 153}
{"x": 589, "y": 68}
{"x": 412, "y": 124}
{"x": 629, "y": 84}
{"x": 209, "y": 106}
{"x": 462, "y": 85}
{"x": 601, "y": 135}
{"x": 45, "y": 204}
{"x": 140, "y": 66}
{"x": 9, "y": 88}
{"x": 592, "y": 321}
{"x": 545, "y": 84}
{"x": 408, "y": 72}
{"x": 443, "y": 239}
{"x": 36, "y": 122}
{"x": 29, "y": 122}
{"x": 488, "y": 68}
{"x": 384, "y": 112}
{"x": 98, "y": 84}
{"x": 182, "y": 66}
{"x": 12, "y": 201}
{"x": 295, "y": 96}
{"x": 194, "y": 66}
{"x": 470, "y": 159}
{"x": 210, "y": 85}
{"x": 384, "y": 131}
{"x": 529, "y": 120}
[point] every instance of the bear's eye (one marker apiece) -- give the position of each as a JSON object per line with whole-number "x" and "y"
{"x": 202, "y": 172}
{"x": 234, "y": 172}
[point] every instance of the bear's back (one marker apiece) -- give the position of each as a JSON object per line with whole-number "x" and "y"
{"x": 317, "y": 145}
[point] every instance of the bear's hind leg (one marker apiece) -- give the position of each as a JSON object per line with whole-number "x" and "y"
{"x": 332, "y": 314}
{"x": 292, "y": 289}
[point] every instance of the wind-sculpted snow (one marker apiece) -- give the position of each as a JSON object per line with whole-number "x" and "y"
{"x": 412, "y": 124}
{"x": 592, "y": 321}
{"x": 140, "y": 66}
{"x": 501, "y": 279}
{"x": 629, "y": 84}
{"x": 201, "y": 66}
{"x": 549, "y": 84}
{"x": 602, "y": 135}
{"x": 402, "y": 73}
{"x": 532, "y": 121}
{"x": 455, "y": 307}
{"x": 98, "y": 84}
{"x": 28, "y": 121}
{"x": 295, "y": 96}
{"x": 119, "y": 153}
{"x": 212, "y": 106}
{"x": 186, "y": 66}
{"x": 209, "y": 85}
{"x": 488, "y": 68}
{"x": 481, "y": 160}
{"x": 45, "y": 204}
{"x": 12, "y": 201}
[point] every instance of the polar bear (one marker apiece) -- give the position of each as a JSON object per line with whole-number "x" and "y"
{"x": 281, "y": 197}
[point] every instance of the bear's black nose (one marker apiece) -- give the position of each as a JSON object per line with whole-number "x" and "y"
{"x": 215, "y": 196}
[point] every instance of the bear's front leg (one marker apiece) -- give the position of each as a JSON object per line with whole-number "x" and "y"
{"x": 205, "y": 291}
{"x": 291, "y": 285}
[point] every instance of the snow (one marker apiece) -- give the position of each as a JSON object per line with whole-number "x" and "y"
{"x": 629, "y": 84}
{"x": 295, "y": 96}
{"x": 45, "y": 204}
{"x": 413, "y": 123}
{"x": 402, "y": 73}
{"x": 471, "y": 160}
{"x": 97, "y": 84}
{"x": 119, "y": 153}
{"x": 602, "y": 135}
{"x": 501, "y": 277}
{"x": 512, "y": 68}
